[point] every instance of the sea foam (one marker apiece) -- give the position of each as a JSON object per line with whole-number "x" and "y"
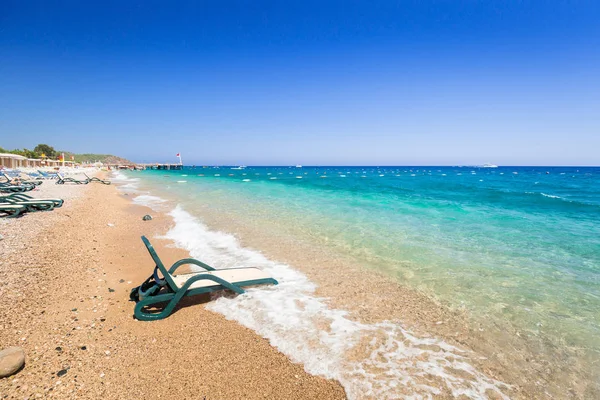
{"x": 550, "y": 196}
{"x": 126, "y": 183}
{"x": 381, "y": 360}
{"x": 153, "y": 202}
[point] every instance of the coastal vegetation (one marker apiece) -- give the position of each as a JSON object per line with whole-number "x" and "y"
{"x": 47, "y": 151}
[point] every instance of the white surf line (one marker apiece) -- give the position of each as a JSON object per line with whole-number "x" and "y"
{"x": 395, "y": 363}
{"x": 125, "y": 183}
{"x": 150, "y": 201}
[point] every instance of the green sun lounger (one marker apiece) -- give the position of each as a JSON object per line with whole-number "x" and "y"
{"x": 11, "y": 210}
{"x": 94, "y": 179}
{"x": 24, "y": 197}
{"x": 10, "y": 180}
{"x": 62, "y": 180}
{"x": 10, "y": 188}
{"x": 30, "y": 205}
{"x": 170, "y": 289}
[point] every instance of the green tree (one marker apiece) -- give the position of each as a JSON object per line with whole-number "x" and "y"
{"x": 29, "y": 153}
{"x": 18, "y": 152}
{"x": 45, "y": 149}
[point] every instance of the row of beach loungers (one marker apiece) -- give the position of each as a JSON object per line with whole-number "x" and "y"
{"x": 15, "y": 204}
{"x": 13, "y": 185}
{"x": 39, "y": 176}
{"x": 163, "y": 286}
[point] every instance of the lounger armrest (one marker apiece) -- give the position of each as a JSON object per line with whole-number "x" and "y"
{"x": 190, "y": 261}
{"x": 220, "y": 281}
{"x": 159, "y": 282}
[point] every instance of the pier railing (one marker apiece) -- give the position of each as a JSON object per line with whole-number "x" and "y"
{"x": 146, "y": 166}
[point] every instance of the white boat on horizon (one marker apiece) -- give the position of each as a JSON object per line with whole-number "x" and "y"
{"x": 489, "y": 166}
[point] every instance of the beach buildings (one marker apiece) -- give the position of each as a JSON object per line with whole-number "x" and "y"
{"x": 14, "y": 161}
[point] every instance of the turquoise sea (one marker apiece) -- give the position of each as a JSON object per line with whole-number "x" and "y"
{"x": 517, "y": 245}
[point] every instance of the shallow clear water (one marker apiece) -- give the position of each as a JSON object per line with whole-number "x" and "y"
{"x": 519, "y": 244}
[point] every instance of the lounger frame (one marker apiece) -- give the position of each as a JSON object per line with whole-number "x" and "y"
{"x": 9, "y": 188}
{"x": 30, "y": 205}
{"x": 95, "y": 179}
{"x": 164, "y": 290}
{"x": 23, "y": 197}
{"x": 62, "y": 180}
{"x": 12, "y": 210}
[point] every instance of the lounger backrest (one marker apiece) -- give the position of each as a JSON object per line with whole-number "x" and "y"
{"x": 167, "y": 276}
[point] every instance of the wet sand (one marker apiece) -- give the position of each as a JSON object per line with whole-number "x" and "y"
{"x": 533, "y": 367}
{"x": 66, "y": 277}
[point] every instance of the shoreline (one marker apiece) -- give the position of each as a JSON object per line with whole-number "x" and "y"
{"x": 67, "y": 306}
{"x": 533, "y": 368}
{"x": 377, "y": 297}
{"x": 406, "y": 312}
{"x": 115, "y": 259}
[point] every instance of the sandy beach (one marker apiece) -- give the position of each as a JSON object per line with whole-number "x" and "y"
{"x": 501, "y": 361}
{"x": 66, "y": 277}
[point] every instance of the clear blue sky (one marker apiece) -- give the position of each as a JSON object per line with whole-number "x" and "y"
{"x": 310, "y": 82}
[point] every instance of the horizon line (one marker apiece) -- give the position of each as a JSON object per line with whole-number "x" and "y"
{"x": 383, "y": 166}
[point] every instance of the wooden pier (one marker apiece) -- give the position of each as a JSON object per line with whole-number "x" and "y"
{"x": 161, "y": 166}
{"x": 147, "y": 166}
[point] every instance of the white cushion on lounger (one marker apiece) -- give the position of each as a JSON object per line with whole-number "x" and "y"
{"x": 230, "y": 275}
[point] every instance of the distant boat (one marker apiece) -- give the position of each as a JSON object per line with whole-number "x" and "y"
{"x": 240, "y": 167}
{"x": 489, "y": 166}
{"x": 298, "y": 166}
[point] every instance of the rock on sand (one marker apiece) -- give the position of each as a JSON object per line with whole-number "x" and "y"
{"x": 11, "y": 360}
